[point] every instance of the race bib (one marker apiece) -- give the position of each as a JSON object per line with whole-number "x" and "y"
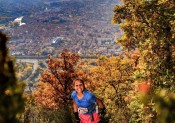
{"x": 82, "y": 110}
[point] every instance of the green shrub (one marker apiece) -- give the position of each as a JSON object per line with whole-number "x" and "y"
{"x": 11, "y": 100}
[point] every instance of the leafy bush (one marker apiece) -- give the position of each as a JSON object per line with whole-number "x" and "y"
{"x": 11, "y": 100}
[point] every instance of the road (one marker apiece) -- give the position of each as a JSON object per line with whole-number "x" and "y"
{"x": 34, "y": 61}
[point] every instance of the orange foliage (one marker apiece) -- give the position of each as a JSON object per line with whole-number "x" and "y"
{"x": 143, "y": 87}
{"x": 55, "y": 84}
{"x": 45, "y": 96}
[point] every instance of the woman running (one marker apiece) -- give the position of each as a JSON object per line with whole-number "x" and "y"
{"x": 85, "y": 104}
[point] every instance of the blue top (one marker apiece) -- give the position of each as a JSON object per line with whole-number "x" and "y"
{"x": 87, "y": 101}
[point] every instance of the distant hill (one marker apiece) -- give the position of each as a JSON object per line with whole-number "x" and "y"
{"x": 80, "y": 22}
{"x": 15, "y": 8}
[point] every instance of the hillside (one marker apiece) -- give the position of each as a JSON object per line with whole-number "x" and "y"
{"x": 82, "y": 26}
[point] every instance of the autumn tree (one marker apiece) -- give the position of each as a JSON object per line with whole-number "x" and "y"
{"x": 55, "y": 86}
{"x": 113, "y": 83}
{"x": 57, "y": 80}
{"x": 11, "y": 100}
{"x": 149, "y": 26}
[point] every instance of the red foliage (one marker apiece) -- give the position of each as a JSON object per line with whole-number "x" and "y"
{"x": 144, "y": 87}
{"x": 56, "y": 83}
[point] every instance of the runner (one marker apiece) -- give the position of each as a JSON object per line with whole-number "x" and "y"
{"x": 85, "y": 104}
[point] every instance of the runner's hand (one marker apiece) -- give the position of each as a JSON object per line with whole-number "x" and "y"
{"x": 102, "y": 112}
{"x": 77, "y": 117}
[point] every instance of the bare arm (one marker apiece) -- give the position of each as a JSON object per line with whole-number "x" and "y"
{"x": 100, "y": 103}
{"x": 102, "y": 109}
{"x": 76, "y": 112}
{"x": 75, "y": 106}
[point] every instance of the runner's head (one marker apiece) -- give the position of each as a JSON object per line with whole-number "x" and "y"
{"x": 79, "y": 85}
